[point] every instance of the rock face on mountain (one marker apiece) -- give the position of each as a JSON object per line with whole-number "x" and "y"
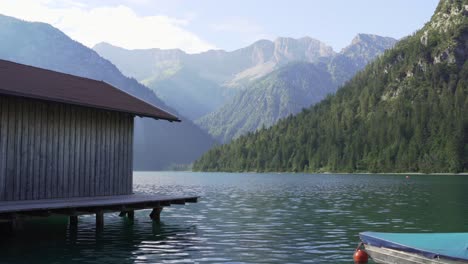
{"x": 406, "y": 111}
{"x": 366, "y": 47}
{"x": 158, "y": 144}
{"x": 275, "y": 96}
{"x": 206, "y": 80}
{"x": 291, "y": 88}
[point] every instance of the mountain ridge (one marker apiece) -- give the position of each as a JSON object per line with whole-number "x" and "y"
{"x": 217, "y": 73}
{"x": 294, "y": 91}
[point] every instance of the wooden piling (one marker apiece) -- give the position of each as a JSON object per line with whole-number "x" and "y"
{"x": 73, "y": 221}
{"x": 123, "y": 214}
{"x": 99, "y": 220}
{"x": 156, "y": 214}
{"x": 131, "y": 215}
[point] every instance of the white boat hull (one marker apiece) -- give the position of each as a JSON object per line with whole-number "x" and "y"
{"x": 391, "y": 256}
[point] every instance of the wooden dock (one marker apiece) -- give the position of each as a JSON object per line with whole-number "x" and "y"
{"x": 14, "y": 211}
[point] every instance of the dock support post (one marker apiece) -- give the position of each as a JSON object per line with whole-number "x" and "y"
{"x": 73, "y": 221}
{"x": 156, "y": 214}
{"x": 131, "y": 215}
{"x": 99, "y": 220}
{"x": 123, "y": 214}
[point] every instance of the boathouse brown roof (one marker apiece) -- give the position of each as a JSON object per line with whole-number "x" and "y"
{"x": 37, "y": 83}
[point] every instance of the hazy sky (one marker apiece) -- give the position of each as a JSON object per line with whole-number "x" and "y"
{"x": 198, "y": 25}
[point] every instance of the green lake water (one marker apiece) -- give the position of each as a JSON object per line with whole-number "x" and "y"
{"x": 251, "y": 218}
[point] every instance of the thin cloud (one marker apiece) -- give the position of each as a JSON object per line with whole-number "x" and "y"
{"x": 118, "y": 25}
{"x": 238, "y": 25}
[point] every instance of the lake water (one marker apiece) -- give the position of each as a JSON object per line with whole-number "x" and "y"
{"x": 251, "y": 218}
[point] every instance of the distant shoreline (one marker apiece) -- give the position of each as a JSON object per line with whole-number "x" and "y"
{"x": 343, "y": 173}
{"x": 397, "y": 173}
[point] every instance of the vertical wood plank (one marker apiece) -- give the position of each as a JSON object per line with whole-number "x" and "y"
{"x": 129, "y": 157}
{"x": 77, "y": 152}
{"x": 55, "y": 150}
{"x": 112, "y": 156}
{"x": 61, "y": 158}
{"x": 82, "y": 152}
{"x": 30, "y": 126}
{"x": 100, "y": 151}
{"x": 18, "y": 138}
{"x": 31, "y": 148}
{"x": 36, "y": 168}
{"x": 97, "y": 154}
{"x": 123, "y": 142}
{"x": 124, "y": 154}
{"x": 107, "y": 155}
{"x": 3, "y": 145}
{"x": 10, "y": 166}
{"x": 21, "y": 177}
{"x": 78, "y": 157}
{"x": 43, "y": 159}
{"x": 119, "y": 154}
{"x": 51, "y": 151}
{"x": 93, "y": 153}
{"x": 66, "y": 150}
{"x": 111, "y": 153}
{"x": 104, "y": 153}
{"x": 24, "y": 184}
{"x": 73, "y": 156}
{"x": 130, "y": 163}
{"x": 88, "y": 151}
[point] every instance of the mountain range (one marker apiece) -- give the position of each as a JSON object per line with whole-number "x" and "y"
{"x": 158, "y": 144}
{"x": 407, "y": 111}
{"x": 197, "y": 84}
{"x": 289, "y": 89}
{"x": 231, "y": 93}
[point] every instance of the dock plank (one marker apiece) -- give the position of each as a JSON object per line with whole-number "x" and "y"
{"x": 97, "y": 201}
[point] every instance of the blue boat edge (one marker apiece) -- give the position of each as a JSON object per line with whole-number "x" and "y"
{"x": 373, "y": 241}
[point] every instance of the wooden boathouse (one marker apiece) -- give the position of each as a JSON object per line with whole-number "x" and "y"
{"x": 66, "y": 147}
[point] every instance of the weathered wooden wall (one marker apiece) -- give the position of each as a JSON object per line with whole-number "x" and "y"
{"x": 51, "y": 150}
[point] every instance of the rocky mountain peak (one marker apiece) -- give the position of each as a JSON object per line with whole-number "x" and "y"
{"x": 306, "y": 48}
{"x": 446, "y": 34}
{"x": 365, "y": 47}
{"x": 371, "y": 39}
{"x": 449, "y": 14}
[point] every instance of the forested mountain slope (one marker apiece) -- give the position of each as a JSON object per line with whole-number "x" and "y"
{"x": 407, "y": 111}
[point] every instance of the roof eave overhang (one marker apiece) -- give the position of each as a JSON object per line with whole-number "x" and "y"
{"x": 45, "y": 98}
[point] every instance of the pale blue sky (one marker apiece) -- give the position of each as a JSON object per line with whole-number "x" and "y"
{"x": 335, "y": 22}
{"x": 196, "y": 25}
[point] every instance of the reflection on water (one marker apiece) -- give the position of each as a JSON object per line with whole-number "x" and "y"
{"x": 251, "y": 218}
